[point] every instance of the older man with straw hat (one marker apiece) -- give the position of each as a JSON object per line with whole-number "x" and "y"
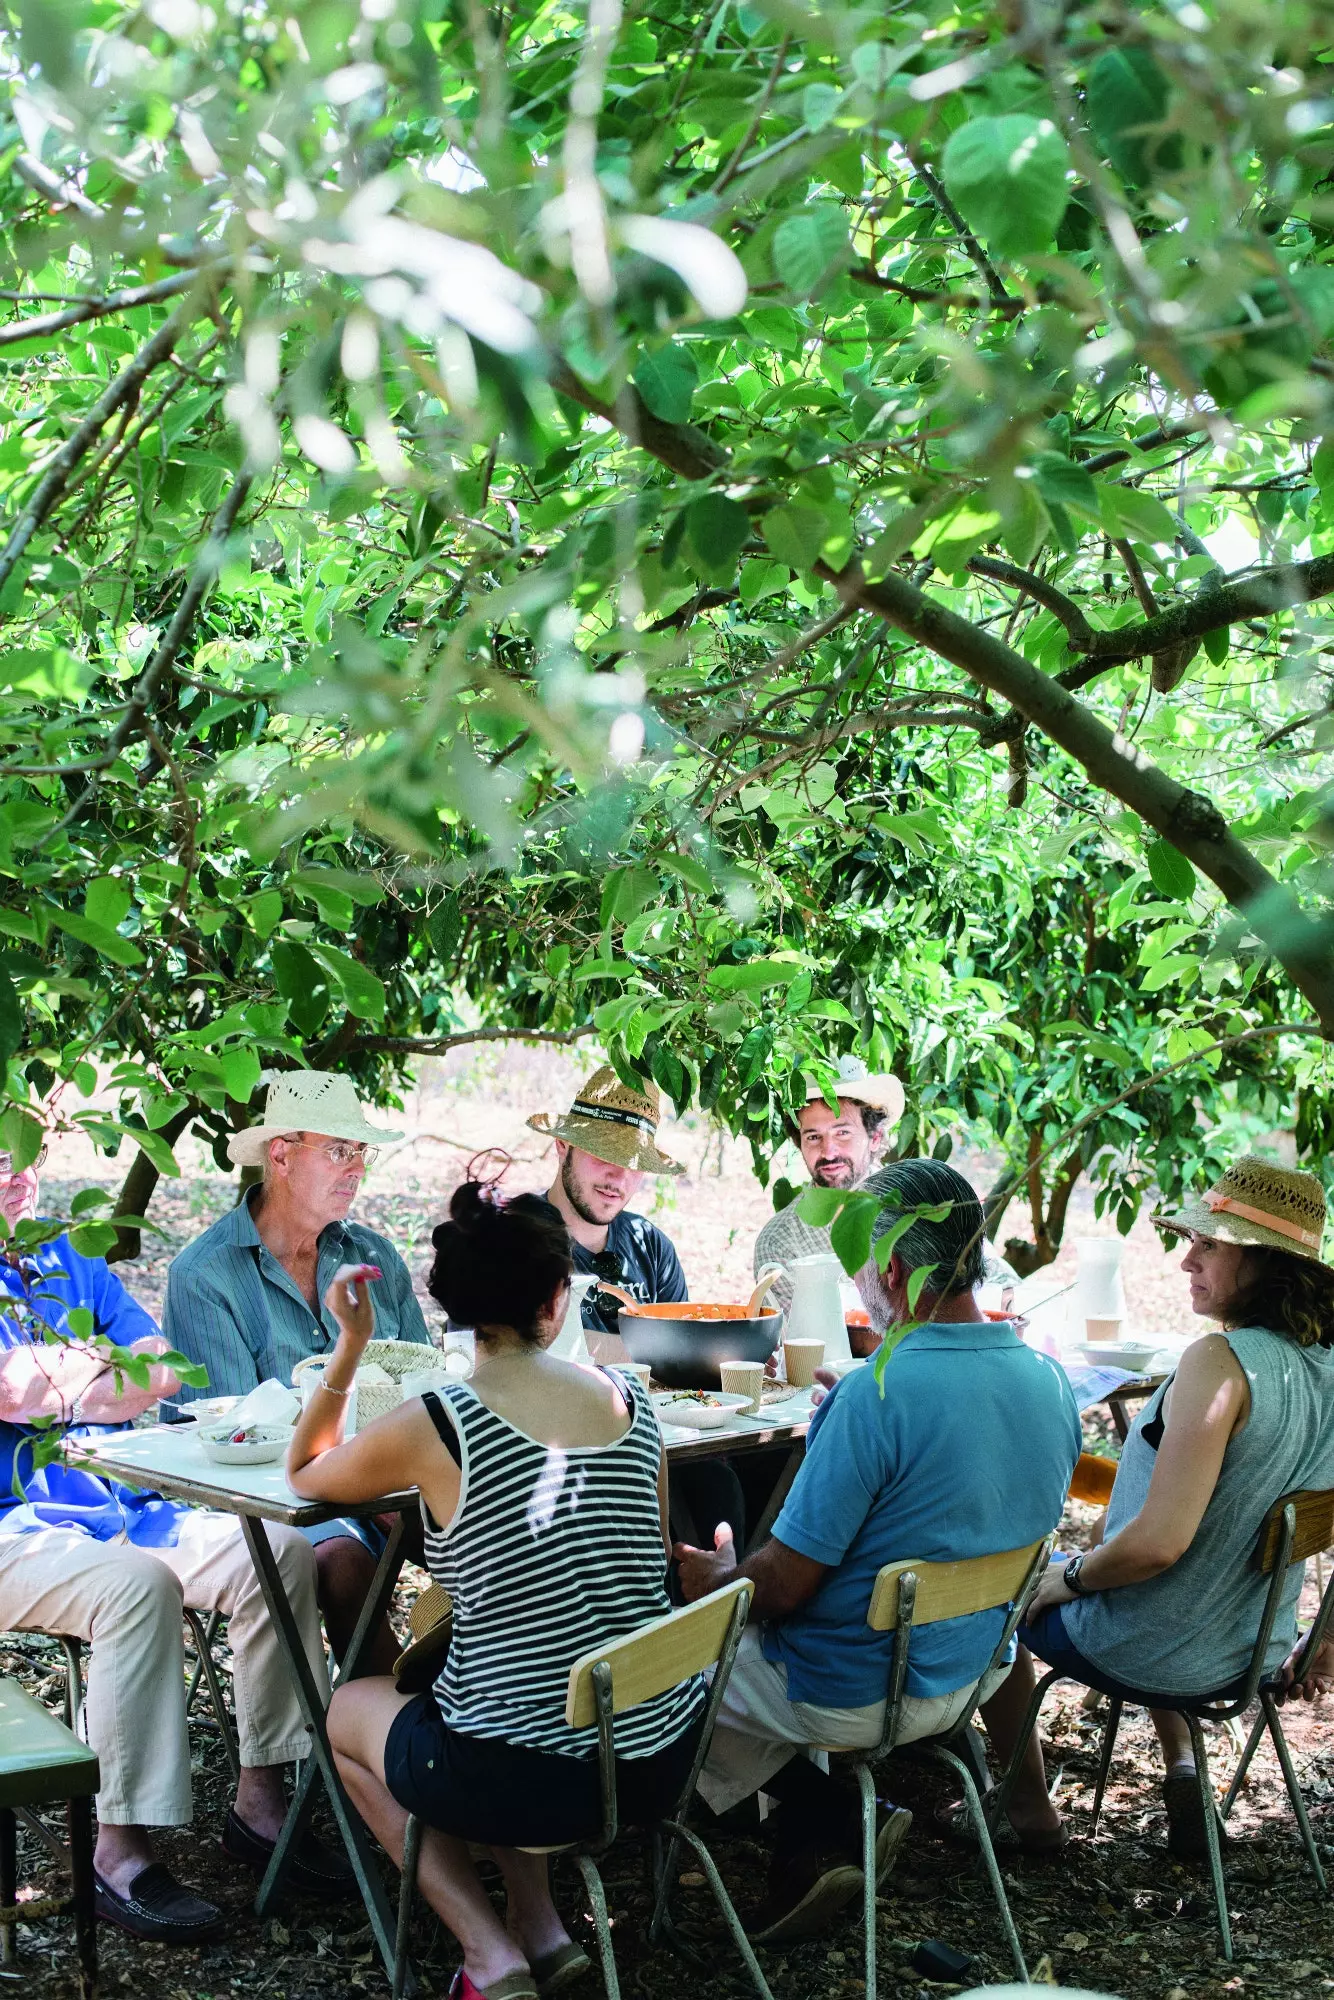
{"x": 606, "y": 1144}
{"x": 247, "y": 1297}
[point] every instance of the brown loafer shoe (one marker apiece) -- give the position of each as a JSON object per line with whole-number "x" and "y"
{"x": 159, "y": 1907}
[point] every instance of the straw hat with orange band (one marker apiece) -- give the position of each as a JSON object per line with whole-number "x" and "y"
{"x": 1260, "y": 1206}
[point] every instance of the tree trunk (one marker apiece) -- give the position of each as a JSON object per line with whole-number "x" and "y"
{"x": 137, "y": 1188}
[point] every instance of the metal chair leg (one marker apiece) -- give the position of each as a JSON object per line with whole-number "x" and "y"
{"x": 977, "y": 1813}
{"x": 205, "y": 1664}
{"x": 73, "y": 1651}
{"x": 1209, "y": 1812}
{"x": 1270, "y": 1711}
{"x": 597, "y": 1897}
{"x": 412, "y": 1847}
{"x": 866, "y": 1785}
{"x": 725, "y": 1906}
{"x": 1253, "y": 1743}
{"x": 1110, "y": 1729}
{"x": 85, "y": 1908}
{"x": 9, "y": 1883}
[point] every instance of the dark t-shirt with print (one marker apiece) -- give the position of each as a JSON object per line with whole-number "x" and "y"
{"x": 650, "y": 1269}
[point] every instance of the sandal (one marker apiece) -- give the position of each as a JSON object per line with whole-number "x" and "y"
{"x": 956, "y": 1823}
{"x": 555, "y": 1970}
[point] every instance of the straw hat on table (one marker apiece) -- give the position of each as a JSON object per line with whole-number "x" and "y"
{"x": 306, "y": 1100}
{"x": 613, "y": 1123}
{"x": 1259, "y": 1206}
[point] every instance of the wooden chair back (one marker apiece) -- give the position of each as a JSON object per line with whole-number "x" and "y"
{"x": 1093, "y": 1479}
{"x": 951, "y": 1590}
{"x": 658, "y": 1656}
{"x": 1315, "y": 1527}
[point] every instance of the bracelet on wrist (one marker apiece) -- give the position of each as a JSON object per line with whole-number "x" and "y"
{"x": 323, "y": 1384}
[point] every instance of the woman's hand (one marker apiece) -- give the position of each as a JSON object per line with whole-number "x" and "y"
{"x": 349, "y": 1300}
{"x": 1319, "y": 1678}
{"x": 1052, "y": 1590}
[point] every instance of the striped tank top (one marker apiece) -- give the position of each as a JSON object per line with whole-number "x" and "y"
{"x": 553, "y": 1550}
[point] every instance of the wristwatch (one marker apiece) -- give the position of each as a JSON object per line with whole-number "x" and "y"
{"x": 1070, "y": 1574}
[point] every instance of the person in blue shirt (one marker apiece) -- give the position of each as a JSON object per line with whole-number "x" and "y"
{"x": 247, "y": 1298}
{"x": 112, "y": 1566}
{"x": 968, "y": 1452}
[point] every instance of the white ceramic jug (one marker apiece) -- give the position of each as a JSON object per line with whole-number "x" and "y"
{"x": 569, "y": 1343}
{"x": 816, "y": 1311}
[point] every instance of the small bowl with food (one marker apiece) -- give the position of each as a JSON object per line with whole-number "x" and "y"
{"x": 246, "y": 1444}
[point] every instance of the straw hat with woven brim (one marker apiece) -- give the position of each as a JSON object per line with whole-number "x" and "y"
{"x": 612, "y": 1122}
{"x": 1259, "y": 1206}
{"x": 881, "y": 1092}
{"x": 306, "y": 1100}
{"x": 429, "y": 1621}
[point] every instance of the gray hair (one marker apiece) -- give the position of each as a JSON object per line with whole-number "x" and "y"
{"x": 954, "y": 1246}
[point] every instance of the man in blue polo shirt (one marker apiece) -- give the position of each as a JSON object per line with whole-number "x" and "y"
{"x": 968, "y": 1452}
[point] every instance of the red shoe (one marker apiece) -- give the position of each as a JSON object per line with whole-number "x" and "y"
{"x": 513, "y": 1986}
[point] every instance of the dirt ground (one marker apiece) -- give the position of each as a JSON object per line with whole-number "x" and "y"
{"x": 1113, "y": 1914}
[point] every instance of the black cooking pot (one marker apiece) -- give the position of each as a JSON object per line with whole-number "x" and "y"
{"x": 685, "y": 1344}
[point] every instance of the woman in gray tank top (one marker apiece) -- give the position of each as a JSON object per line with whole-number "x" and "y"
{"x": 1169, "y": 1601}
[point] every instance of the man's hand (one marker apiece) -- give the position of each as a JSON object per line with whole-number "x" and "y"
{"x": 703, "y": 1570}
{"x": 1052, "y": 1590}
{"x": 1319, "y": 1678}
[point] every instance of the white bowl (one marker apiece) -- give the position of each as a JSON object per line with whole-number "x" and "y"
{"x": 211, "y": 1409}
{"x": 1135, "y": 1354}
{"x": 267, "y": 1443}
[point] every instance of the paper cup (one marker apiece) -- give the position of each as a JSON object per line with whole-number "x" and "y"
{"x": 802, "y": 1358}
{"x": 639, "y": 1369}
{"x": 743, "y": 1378}
{"x": 1102, "y": 1329}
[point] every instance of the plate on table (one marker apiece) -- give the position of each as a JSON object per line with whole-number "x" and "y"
{"x": 697, "y": 1409}
{"x": 210, "y": 1409}
{"x": 262, "y": 1444}
{"x": 1135, "y": 1354}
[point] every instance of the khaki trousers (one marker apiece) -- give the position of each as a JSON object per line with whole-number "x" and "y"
{"x": 760, "y": 1729}
{"x": 126, "y": 1602}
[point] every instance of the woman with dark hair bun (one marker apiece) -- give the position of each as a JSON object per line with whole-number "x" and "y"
{"x": 544, "y": 1499}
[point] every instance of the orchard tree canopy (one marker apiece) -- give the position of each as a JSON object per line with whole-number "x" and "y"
{"x": 752, "y": 530}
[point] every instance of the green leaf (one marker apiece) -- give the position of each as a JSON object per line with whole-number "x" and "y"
{"x": 1137, "y": 514}
{"x": 362, "y": 989}
{"x": 917, "y": 1284}
{"x": 819, "y": 1206}
{"x": 1062, "y": 483}
{"x": 761, "y": 579}
{"x": 92, "y": 1239}
{"x": 444, "y": 927}
{"x": 784, "y": 1192}
{"x": 808, "y": 246}
{"x": 11, "y": 1019}
{"x": 21, "y": 1136}
{"x": 240, "y": 1073}
{"x": 850, "y": 1236}
{"x": 1127, "y": 93}
{"x": 266, "y": 912}
{"x": 819, "y": 104}
{"x": 671, "y": 1075}
{"x": 753, "y": 1054}
{"x": 799, "y": 992}
{"x": 107, "y": 902}
{"x": 666, "y": 378}
{"x": 1170, "y": 872}
{"x": 687, "y": 869}
{"x": 1008, "y": 177}
{"x": 795, "y": 534}
{"x": 107, "y": 944}
{"x": 303, "y": 984}
{"x": 626, "y": 893}
{"x": 717, "y": 529}
{"x": 1218, "y": 645}
{"x": 753, "y": 976}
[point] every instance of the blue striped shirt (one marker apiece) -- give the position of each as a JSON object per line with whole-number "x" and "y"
{"x": 232, "y": 1306}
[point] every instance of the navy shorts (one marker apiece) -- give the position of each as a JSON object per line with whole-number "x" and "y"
{"x": 1048, "y": 1639}
{"x": 507, "y": 1796}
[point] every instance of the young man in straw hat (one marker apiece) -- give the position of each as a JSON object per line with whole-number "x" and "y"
{"x": 605, "y": 1146}
{"x": 111, "y": 1566}
{"x": 1170, "y": 1600}
{"x": 839, "y": 1145}
{"x": 246, "y": 1299}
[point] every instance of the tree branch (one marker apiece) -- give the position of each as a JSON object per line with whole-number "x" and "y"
{"x": 1190, "y": 821}
{"x": 935, "y": 187}
{"x": 95, "y": 308}
{"x": 438, "y": 1045}
{"x": 1273, "y": 590}
{"x": 1037, "y": 587}
{"x": 681, "y": 446}
{"x": 56, "y": 477}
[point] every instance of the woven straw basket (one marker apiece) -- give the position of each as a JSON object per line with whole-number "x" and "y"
{"x": 397, "y": 1357}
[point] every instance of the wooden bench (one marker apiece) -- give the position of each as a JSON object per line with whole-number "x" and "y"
{"x": 42, "y": 1762}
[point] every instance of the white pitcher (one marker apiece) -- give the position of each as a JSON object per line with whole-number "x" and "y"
{"x": 569, "y": 1343}
{"x": 816, "y": 1311}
